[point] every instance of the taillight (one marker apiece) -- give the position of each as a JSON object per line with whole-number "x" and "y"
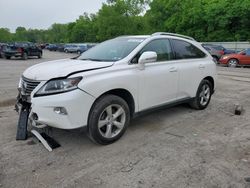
{"x": 20, "y": 50}
{"x": 221, "y": 52}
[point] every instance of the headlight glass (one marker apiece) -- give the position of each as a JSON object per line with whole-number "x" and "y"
{"x": 59, "y": 86}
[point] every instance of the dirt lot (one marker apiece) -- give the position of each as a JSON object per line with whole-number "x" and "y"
{"x": 176, "y": 147}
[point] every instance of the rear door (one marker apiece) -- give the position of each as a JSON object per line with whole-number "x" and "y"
{"x": 191, "y": 65}
{"x": 159, "y": 80}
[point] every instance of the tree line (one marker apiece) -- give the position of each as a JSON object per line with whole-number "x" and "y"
{"x": 205, "y": 20}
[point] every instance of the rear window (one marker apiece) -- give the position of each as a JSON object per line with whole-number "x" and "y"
{"x": 186, "y": 50}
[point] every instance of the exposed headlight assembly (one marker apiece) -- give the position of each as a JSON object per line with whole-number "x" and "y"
{"x": 59, "y": 86}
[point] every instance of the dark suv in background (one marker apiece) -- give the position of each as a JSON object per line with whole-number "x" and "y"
{"x": 21, "y": 49}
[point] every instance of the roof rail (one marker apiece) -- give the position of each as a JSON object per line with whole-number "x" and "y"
{"x": 173, "y": 34}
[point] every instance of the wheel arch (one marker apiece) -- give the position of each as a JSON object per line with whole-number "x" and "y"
{"x": 233, "y": 58}
{"x": 211, "y": 80}
{"x": 124, "y": 94}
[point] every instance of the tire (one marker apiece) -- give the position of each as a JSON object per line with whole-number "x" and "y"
{"x": 103, "y": 127}
{"x": 66, "y": 51}
{"x": 233, "y": 63}
{"x": 39, "y": 55}
{"x": 25, "y": 56}
{"x": 7, "y": 57}
{"x": 203, "y": 96}
{"x": 78, "y": 52}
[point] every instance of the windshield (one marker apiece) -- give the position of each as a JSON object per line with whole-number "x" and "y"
{"x": 112, "y": 50}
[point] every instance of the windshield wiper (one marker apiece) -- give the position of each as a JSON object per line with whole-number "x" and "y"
{"x": 90, "y": 59}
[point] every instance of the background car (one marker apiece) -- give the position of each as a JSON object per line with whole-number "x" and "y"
{"x": 60, "y": 47}
{"x": 84, "y": 47}
{"x": 233, "y": 60}
{"x": 52, "y": 47}
{"x": 70, "y": 48}
{"x": 217, "y": 50}
{"x": 21, "y": 49}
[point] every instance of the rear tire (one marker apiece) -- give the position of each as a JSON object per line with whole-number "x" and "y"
{"x": 203, "y": 96}
{"x": 108, "y": 119}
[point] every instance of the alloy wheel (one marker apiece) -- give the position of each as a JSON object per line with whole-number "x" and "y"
{"x": 232, "y": 63}
{"x": 111, "y": 121}
{"x": 205, "y": 95}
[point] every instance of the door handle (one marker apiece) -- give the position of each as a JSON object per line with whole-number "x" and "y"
{"x": 173, "y": 69}
{"x": 201, "y": 66}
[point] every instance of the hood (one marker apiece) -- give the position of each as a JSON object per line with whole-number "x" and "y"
{"x": 61, "y": 68}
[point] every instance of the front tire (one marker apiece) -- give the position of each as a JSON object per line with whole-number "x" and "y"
{"x": 108, "y": 119}
{"x": 203, "y": 96}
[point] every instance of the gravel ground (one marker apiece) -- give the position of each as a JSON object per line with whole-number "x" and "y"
{"x": 175, "y": 147}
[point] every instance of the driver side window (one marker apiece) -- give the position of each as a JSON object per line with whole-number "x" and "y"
{"x": 162, "y": 48}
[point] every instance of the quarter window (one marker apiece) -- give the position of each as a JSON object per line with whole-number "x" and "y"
{"x": 185, "y": 50}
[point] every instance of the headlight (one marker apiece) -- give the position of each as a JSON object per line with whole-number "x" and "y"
{"x": 224, "y": 57}
{"x": 59, "y": 86}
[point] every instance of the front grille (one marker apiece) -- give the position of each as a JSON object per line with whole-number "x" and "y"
{"x": 28, "y": 85}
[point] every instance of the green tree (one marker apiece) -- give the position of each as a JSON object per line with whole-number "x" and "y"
{"x": 5, "y": 35}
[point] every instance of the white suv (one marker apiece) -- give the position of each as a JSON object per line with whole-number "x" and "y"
{"x": 111, "y": 83}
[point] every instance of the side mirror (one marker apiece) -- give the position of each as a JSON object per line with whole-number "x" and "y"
{"x": 147, "y": 57}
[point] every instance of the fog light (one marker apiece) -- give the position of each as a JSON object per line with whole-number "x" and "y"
{"x": 60, "y": 110}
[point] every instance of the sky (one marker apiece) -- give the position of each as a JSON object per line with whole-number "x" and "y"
{"x": 41, "y": 14}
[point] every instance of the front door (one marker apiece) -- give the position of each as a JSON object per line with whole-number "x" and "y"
{"x": 159, "y": 80}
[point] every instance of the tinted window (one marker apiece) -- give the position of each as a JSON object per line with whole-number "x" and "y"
{"x": 161, "y": 47}
{"x": 185, "y": 50}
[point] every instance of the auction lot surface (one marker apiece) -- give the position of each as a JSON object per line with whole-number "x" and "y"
{"x": 172, "y": 148}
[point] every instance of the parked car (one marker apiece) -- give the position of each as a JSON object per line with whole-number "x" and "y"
{"x": 117, "y": 80}
{"x": 21, "y": 49}
{"x": 71, "y": 48}
{"x": 214, "y": 53}
{"x": 60, "y": 47}
{"x": 52, "y": 47}
{"x": 233, "y": 60}
{"x": 84, "y": 47}
{"x": 217, "y": 50}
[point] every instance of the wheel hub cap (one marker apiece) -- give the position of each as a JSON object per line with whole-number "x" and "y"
{"x": 205, "y": 95}
{"x": 111, "y": 121}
